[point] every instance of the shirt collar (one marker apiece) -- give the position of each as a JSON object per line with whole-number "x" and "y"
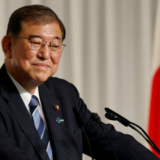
{"x": 26, "y": 96}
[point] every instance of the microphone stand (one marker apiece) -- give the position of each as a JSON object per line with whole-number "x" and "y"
{"x": 115, "y": 116}
{"x": 80, "y": 124}
{"x": 96, "y": 117}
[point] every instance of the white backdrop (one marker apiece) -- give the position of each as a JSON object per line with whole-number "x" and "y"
{"x": 108, "y": 53}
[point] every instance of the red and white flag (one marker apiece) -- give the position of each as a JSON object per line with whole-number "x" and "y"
{"x": 154, "y": 117}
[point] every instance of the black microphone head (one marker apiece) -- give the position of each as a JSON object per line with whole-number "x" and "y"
{"x": 108, "y": 110}
{"x": 95, "y": 117}
{"x": 115, "y": 116}
{"x": 111, "y": 116}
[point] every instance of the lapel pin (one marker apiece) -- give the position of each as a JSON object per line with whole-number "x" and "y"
{"x": 56, "y": 107}
{"x": 59, "y": 120}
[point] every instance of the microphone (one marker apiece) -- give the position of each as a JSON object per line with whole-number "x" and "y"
{"x": 115, "y": 116}
{"x": 80, "y": 125}
{"x": 96, "y": 117}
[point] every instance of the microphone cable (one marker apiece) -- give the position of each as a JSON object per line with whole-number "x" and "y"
{"x": 141, "y": 135}
{"x": 80, "y": 124}
{"x": 149, "y": 140}
{"x": 96, "y": 117}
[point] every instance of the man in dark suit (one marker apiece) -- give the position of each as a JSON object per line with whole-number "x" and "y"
{"x": 37, "y": 121}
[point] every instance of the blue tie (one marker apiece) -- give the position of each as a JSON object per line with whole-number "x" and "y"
{"x": 40, "y": 125}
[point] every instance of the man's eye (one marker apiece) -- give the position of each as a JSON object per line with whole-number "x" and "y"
{"x": 55, "y": 46}
{"x": 35, "y": 42}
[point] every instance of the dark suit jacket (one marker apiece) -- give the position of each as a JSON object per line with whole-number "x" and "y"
{"x": 19, "y": 139}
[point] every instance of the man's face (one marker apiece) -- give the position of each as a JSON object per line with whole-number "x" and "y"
{"x": 30, "y": 65}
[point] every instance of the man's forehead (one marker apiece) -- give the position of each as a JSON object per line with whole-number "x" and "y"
{"x": 34, "y": 29}
{"x": 27, "y": 24}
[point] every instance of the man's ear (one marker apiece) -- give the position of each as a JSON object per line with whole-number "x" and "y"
{"x": 6, "y": 46}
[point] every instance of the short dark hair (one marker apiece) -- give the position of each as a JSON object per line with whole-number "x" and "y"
{"x": 38, "y": 14}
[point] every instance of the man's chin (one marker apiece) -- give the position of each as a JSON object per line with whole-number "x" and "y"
{"x": 40, "y": 80}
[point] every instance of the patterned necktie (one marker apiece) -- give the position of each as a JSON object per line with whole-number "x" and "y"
{"x": 40, "y": 125}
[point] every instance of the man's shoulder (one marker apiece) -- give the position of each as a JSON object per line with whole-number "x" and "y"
{"x": 60, "y": 87}
{"x": 59, "y": 84}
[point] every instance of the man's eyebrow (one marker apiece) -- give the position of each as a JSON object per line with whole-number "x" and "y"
{"x": 37, "y": 36}
{"x": 58, "y": 38}
{"x": 34, "y": 36}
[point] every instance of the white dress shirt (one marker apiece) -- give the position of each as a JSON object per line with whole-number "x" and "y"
{"x": 26, "y": 97}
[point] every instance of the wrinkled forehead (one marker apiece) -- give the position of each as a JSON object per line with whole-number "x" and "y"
{"x": 42, "y": 30}
{"x": 28, "y": 23}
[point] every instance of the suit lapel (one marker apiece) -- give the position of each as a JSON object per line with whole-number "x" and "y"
{"x": 17, "y": 107}
{"x": 49, "y": 101}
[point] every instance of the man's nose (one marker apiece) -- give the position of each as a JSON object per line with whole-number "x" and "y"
{"x": 45, "y": 51}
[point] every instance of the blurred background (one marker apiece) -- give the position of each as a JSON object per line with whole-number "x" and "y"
{"x": 108, "y": 56}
